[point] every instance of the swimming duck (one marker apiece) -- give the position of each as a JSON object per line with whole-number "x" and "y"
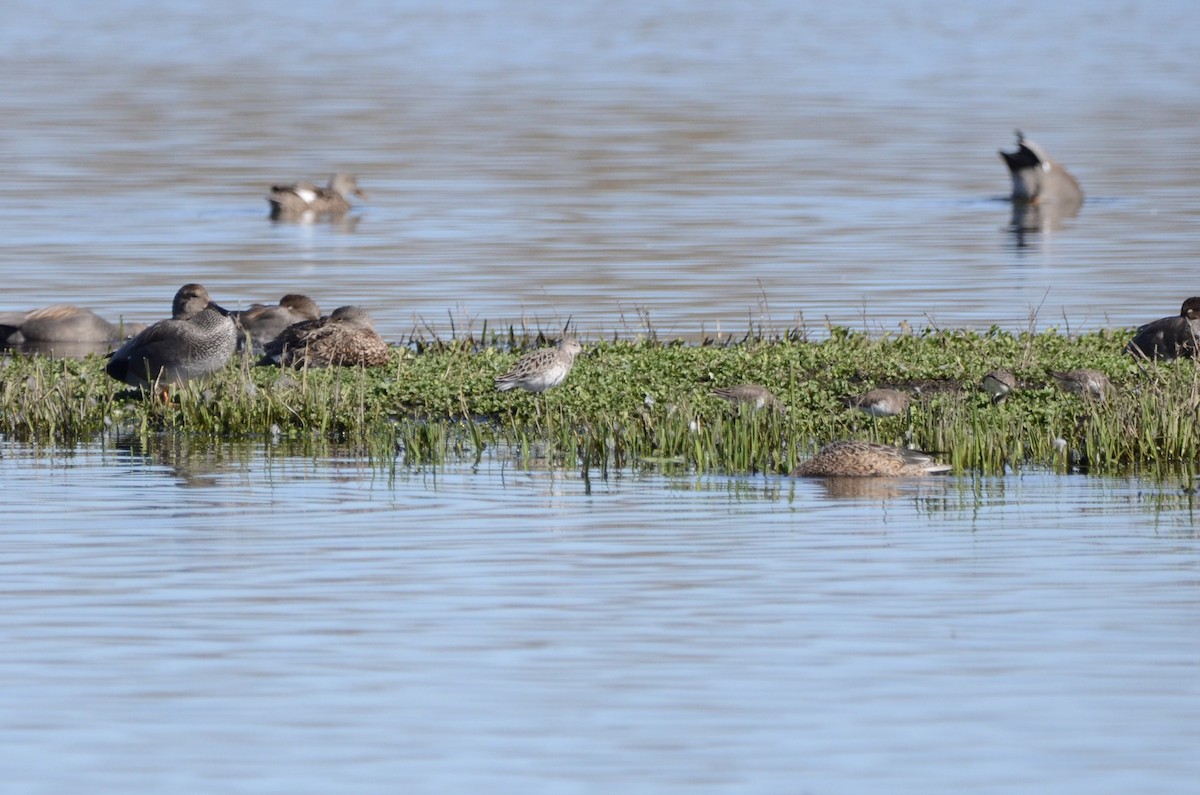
{"x": 305, "y": 200}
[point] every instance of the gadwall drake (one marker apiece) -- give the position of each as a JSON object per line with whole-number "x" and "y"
{"x": 869, "y": 459}
{"x": 199, "y": 339}
{"x": 265, "y": 322}
{"x": 304, "y": 200}
{"x": 542, "y": 369}
{"x": 880, "y": 402}
{"x": 61, "y": 323}
{"x": 998, "y": 384}
{"x": 345, "y": 338}
{"x": 1085, "y": 381}
{"x": 1039, "y": 179}
{"x": 1169, "y": 337}
{"x": 752, "y": 395}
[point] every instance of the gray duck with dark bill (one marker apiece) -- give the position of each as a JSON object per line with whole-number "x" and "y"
{"x": 265, "y": 322}
{"x": 61, "y": 323}
{"x": 307, "y": 200}
{"x": 199, "y": 339}
{"x": 1170, "y": 337}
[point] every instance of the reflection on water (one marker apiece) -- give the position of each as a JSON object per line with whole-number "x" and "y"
{"x": 286, "y": 617}
{"x": 213, "y": 618}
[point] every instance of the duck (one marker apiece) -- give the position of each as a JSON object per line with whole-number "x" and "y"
{"x": 346, "y": 338}
{"x": 1039, "y": 179}
{"x": 264, "y": 322}
{"x": 305, "y": 200}
{"x": 1169, "y": 337}
{"x": 869, "y": 459}
{"x": 199, "y": 339}
{"x": 61, "y": 323}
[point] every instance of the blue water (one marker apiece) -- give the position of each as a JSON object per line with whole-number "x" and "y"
{"x": 194, "y": 618}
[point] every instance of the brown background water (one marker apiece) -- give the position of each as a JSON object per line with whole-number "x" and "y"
{"x": 244, "y": 620}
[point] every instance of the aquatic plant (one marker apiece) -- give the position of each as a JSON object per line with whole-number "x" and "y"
{"x": 647, "y": 403}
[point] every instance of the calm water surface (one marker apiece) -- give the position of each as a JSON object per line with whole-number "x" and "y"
{"x": 699, "y": 164}
{"x": 254, "y": 622}
{"x": 239, "y": 622}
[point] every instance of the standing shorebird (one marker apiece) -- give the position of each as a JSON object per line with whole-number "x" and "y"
{"x": 881, "y": 402}
{"x": 198, "y": 340}
{"x": 752, "y": 395}
{"x": 998, "y": 384}
{"x": 265, "y": 322}
{"x": 869, "y": 459}
{"x": 346, "y": 338}
{"x": 1086, "y": 382}
{"x": 542, "y": 369}
{"x": 1170, "y": 337}
{"x": 305, "y": 200}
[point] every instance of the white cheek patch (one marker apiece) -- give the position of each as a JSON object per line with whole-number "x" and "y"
{"x": 1045, "y": 167}
{"x": 305, "y": 193}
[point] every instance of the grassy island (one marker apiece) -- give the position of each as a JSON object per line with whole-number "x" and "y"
{"x": 646, "y": 402}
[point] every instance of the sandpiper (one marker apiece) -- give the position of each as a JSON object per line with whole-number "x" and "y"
{"x": 542, "y": 369}
{"x": 1038, "y": 179}
{"x": 347, "y": 337}
{"x": 752, "y": 395}
{"x": 199, "y": 339}
{"x": 881, "y": 402}
{"x": 265, "y": 322}
{"x": 998, "y": 384}
{"x": 61, "y": 323}
{"x": 869, "y": 459}
{"x": 305, "y": 200}
{"x": 1084, "y": 381}
{"x": 1170, "y": 337}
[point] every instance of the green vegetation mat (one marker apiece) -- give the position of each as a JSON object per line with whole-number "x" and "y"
{"x": 634, "y": 403}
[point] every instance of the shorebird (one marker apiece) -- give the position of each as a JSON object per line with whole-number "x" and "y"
{"x": 345, "y": 338}
{"x": 1085, "y": 381}
{"x": 199, "y": 339}
{"x": 265, "y": 322}
{"x": 542, "y": 369}
{"x": 61, "y": 323}
{"x": 1038, "y": 179}
{"x": 998, "y": 384}
{"x": 881, "y": 402}
{"x": 1170, "y": 337}
{"x": 305, "y": 200}
{"x": 753, "y": 395}
{"x": 869, "y": 459}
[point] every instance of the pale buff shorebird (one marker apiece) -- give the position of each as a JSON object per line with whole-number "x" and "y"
{"x": 542, "y": 369}
{"x": 304, "y": 200}
{"x": 1085, "y": 381}
{"x": 345, "y": 338}
{"x": 753, "y": 395}
{"x": 999, "y": 384}
{"x": 881, "y": 402}
{"x": 199, "y": 339}
{"x": 869, "y": 459}
{"x": 1169, "y": 337}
